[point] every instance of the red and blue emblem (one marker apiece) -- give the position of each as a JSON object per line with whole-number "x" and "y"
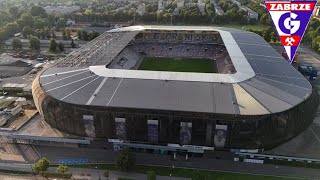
{"x": 291, "y": 19}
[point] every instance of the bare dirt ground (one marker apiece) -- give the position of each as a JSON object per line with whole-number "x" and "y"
{"x": 20, "y": 119}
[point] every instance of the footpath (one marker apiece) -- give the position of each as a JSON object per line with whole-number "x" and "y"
{"x": 83, "y": 173}
{"x": 94, "y": 174}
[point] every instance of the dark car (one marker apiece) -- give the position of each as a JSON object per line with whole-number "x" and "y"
{"x": 308, "y": 71}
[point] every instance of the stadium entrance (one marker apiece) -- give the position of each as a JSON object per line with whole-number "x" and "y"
{"x": 170, "y": 149}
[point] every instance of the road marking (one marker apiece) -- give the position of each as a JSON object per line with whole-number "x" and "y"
{"x": 114, "y": 92}
{"x": 79, "y": 88}
{"x": 262, "y": 77}
{"x": 63, "y": 78}
{"x": 96, "y": 91}
{"x": 86, "y": 69}
{"x": 263, "y": 56}
{"x": 315, "y": 134}
{"x": 70, "y": 83}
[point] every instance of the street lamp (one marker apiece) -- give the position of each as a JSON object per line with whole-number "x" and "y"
{"x": 98, "y": 172}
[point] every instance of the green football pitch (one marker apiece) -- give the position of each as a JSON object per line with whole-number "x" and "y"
{"x": 178, "y": 65}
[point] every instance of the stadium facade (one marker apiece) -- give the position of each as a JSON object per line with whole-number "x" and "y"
{"x": 255, "y": 100}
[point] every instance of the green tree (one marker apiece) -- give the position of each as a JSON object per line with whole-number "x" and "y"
{"x": 316, "y": 44}
{"x": 265, "y": 19}
{"x": 62, "y": 169}
{"x": 14, "y": 12}
{"x": 73, "y": 45}
{"x": 53, "y": 45}
{"x": 41, "y": 166}
{"x": 64, "y": 35}
{"x": 88, "y": 12}
{"x": 151, "y": 175}
{"x": 53, "y": 34}
{"x": 79, "y": 34}
{"x": 16, "y": 43}
{"x": 34, "y": 43}
{"x": 274, "y": 37}
{"x": 12, "y": 28}
{"x": 26, "y": 31}
{"x": 5, "y": 17}
{"x": 61, "y": 46}
{"x": 3, "y": 35}
{"x": 61, "y": 23}
{"x": 85, "y": 35}
{"x": 106, "y": 174}
{"x": 40, "y": 23}
{"x": 267, "y": 34}
{"x": 38, "y": 11}
{"x": 47, "y": 33}
{"x": 25, "y": 20}
{"x": 125, "y": 160}
{"x": 93, "y": 35}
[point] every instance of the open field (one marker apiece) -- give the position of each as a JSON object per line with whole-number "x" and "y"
{"x": 245, "y": 27}
{"x": 178, "y": 65}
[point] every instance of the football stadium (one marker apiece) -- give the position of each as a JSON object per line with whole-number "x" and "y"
{"x": 159, "y": 86}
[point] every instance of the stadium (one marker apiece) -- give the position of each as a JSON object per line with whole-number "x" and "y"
{"x": 177, "y": 85}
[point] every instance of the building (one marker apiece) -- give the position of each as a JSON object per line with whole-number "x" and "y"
{"x": 217, "y": 8}
{"x": 251, "y": 14}
{"x": 316, "y": 11}
{"x": 189, "y": 4}
{"x": 254, "y": 100}
{"x": 162, "y": 4}
{"x": 141, "y": 9}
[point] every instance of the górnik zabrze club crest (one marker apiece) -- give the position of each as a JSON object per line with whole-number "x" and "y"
{"x": 291, "y": 19}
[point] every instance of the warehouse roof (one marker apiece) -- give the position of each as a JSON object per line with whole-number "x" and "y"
{"x": 264, "y": 82}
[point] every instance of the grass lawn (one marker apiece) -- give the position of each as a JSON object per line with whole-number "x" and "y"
{"x": 189, "y": 173}
{"x": 245, "y": 27}
{"x": 178, "y": 65}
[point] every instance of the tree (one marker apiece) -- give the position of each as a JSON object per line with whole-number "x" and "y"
{"x": 53, "y": 45}
{"x": 3, "y": 35}
{"x": 26, "y": 31}
{"x": 265, "y": 19}
{"x": 267, "y": 33}
{"x": 88, "y": 12}
{"x": 53, "y": 34}
{"x": 12, "y": 28}
{"x": 64, "y": 35}
{"x": 125, "y": 160}
{"x": 151, "y": 175}
{"x": 16, "y": 44}
{"x": 14, "y": 12}
{"x": 79, "y": 34}
{"x": 61, "y": 46}
{"x": 40, "y": 23}
{"x": 62, "y": 169}
{"x": 25, "y": 20}
{"x": 106, "y": 174}
{"x": 61, "y": 23}
{"x": 41, "y": 166}
{"x": 93, "y": 35}
{"x": 38, "y": 11}
{"x": 34, "y": 43}
{"x": 85, "y": 35}
{"x": 316, "y": 44}
{"x": 274, "y": 37}
{"x": 73, "y": 45}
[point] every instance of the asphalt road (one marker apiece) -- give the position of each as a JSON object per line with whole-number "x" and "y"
{"x": 54, "y": 154}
